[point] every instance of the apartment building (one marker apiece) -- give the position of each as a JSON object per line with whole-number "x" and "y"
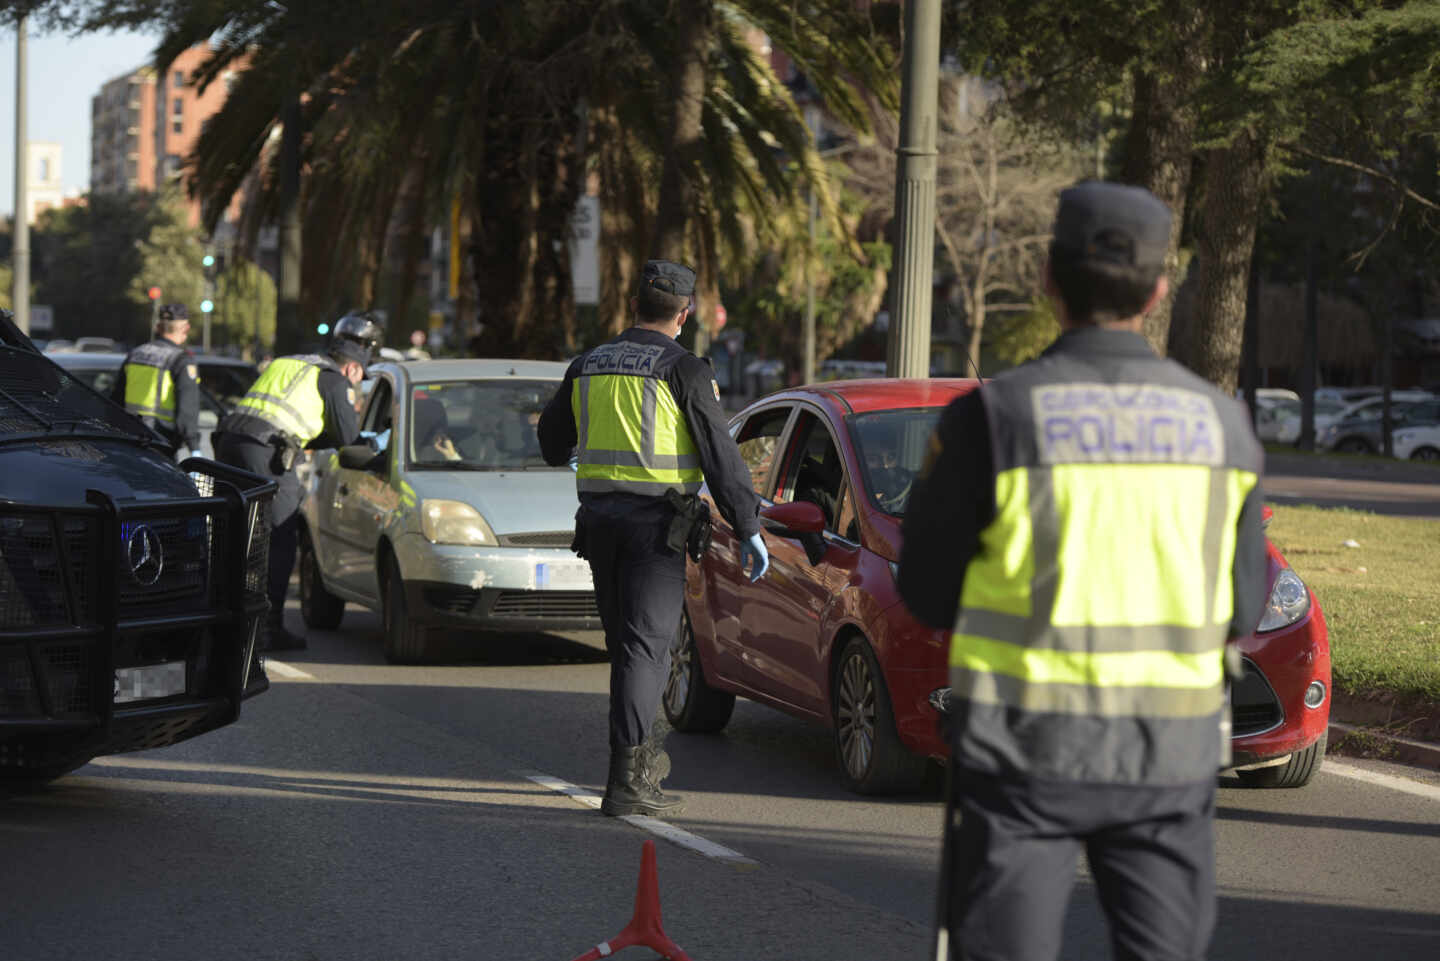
{"x": 144, "y": 124}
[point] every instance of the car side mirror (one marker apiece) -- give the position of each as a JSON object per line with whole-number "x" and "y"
{"x": 360, "y": 457}
{"x": 801, "y": 521}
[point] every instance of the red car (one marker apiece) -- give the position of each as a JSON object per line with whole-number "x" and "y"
{"x": 824, "y": 635}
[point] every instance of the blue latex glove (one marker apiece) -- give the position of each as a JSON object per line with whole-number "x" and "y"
{"x": 753, "y": 550}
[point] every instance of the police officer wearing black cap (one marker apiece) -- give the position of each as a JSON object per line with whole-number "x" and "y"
{"x": 1088, "y": 527}
{"x": 299, "y": 402}
{"x": 642, "y": 416}
{"x": 159, "y": 383}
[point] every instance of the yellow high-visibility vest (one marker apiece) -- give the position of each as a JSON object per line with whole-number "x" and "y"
{"x": 149, "y": 385}
{"x": 632, "y": 434}
{"x": 287, "y": 396}
{"x": 1089, "y": 643}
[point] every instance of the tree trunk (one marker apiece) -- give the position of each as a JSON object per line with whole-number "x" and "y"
{"x": 1158, "y": 155}
{"x": 677, "y": 189}
{"x": 1235, "y": 183}
{"x": 288, "y": 335}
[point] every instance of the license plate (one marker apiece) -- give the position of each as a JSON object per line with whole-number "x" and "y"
{"x": 151, "y": 681}
{"x": 562, "y": 576}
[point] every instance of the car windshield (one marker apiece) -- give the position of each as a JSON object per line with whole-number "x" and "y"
{"x": 891, "y": 446}
{"x": 478, "y": 424}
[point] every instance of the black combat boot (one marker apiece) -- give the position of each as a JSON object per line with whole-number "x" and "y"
{"x": 629, "y": 791}
{"x": 279, "y": 639}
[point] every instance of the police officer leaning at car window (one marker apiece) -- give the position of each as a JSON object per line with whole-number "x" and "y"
{"x": 643, "y": 416}
{"x": 159, "y": 383}
{"x": 1088, "y": 526}
{"x": 299, "y": 402}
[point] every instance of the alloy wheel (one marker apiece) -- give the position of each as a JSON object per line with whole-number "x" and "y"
{"x": 682, "y": 665}
{"x": 855, "y": 716}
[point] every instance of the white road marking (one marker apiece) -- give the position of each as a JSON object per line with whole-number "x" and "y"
{"x": 655, "y": 826}
{"x": 273, "y": 666}
{"x": 1417, "y": 788}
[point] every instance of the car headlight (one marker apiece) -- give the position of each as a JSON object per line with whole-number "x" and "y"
{"x": 1289, "y": 601}
{"x": 455, "y": 522}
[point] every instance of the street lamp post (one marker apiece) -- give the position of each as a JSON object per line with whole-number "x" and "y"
{"x": 807, "y": 369}
{"x": 21, "y": 247}
{"x": 908, "y": 353}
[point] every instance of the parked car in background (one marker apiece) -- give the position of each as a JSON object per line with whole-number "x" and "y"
{"x": 1418, "y": 443}
{"x": 825, "y": 636}
{"x": 131, "y": 588}
{"x": 96, "y": 345}
{"x": 448, "y": 517}
{"x": 1363, "y": 431}
{"x": 223, "y": 381}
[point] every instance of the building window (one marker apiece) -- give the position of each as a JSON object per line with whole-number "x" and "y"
{"x": 132, "y": 169}
{"x": 179, "y": 78}
{"x": 44, "y": 170}
{"x": 178, "y": 126}
{"x": 172, "y": 164}
{"x": 179, "y": 106}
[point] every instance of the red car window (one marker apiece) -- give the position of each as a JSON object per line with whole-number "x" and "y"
{"x": 758, "y": 439}
{"x": 815, "y": 472}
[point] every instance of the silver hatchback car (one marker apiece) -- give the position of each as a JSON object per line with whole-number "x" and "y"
{"x": 447, "y": 517}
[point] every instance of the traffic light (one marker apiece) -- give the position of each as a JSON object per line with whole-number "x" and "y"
{"x": 323, "y": 329}
{"x": 154, "y": 293}
{"x": 208, "y": 260}
{"x": 207, "y": 305}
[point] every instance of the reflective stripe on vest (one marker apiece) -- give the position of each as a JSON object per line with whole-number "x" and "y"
{"x": 287, "y": 396}
{"x": 1089, "y": 643}
{"x": 149, "y": 385}
{"x": 632, "y": 435}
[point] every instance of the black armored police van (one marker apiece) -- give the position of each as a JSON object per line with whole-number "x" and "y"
{"x": 132, "y": 589}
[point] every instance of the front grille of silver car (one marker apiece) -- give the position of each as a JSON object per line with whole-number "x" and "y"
{"x": 543, "y": 604}
{"x": 538, "y": 539}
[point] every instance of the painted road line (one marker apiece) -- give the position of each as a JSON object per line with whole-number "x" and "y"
{"x": 655, "y": 826}
{"x": 273, "y": 666}
{"x": 1384, "y": 780}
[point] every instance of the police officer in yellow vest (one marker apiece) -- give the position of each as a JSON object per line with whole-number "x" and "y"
{"x": 642, "y": 416}
{"x": 299, "y": 402}
{"x": 159, "y": 383}
{"x": 1088, "y": 526}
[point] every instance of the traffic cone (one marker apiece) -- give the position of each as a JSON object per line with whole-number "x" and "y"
{"x": 644, "y": 928}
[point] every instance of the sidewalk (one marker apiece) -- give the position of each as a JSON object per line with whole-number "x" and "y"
{"x": 1374, "y": 729}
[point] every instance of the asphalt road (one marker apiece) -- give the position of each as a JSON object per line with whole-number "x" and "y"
{"x": 363, "y": 811}
{"x": 1369, "y": 484}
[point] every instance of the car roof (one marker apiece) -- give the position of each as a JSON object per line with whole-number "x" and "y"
{"x": 884, "y": 393}
{"x": 91, "y": 359}
{"x": 475, "y": 368}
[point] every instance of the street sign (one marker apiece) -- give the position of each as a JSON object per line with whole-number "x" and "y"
{"x": 42, "y": 319}
{"x": 585, "y": 250}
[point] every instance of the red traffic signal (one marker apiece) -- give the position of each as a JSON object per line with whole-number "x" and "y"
{"x": 154, "y": 293}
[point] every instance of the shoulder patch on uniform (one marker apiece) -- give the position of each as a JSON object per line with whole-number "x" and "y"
{"x": 194, "y": 371}
{"x": 715, "y": 389}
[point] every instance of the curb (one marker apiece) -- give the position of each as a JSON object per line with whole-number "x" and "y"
{"x": 1376, "y": 743}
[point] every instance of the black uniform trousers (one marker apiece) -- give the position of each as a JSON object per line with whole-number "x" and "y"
{"x": 640, "y": 590}
{"x": 1151, "y": 852}
{"x": 248, "y": 453}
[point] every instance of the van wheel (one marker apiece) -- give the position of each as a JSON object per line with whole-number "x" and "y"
{"x": 405, "y": 641}
{"x": 1425, "y": 453}
{"x": 691, "y": 704}
{"x": 1295, "y": 772}
{"x": 872, "y": 758}
{"x": 319, "y": 608}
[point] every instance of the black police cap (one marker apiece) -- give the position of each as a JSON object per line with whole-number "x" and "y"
{"x": 1113, "y": 223}
{"x": 668, "y": 277}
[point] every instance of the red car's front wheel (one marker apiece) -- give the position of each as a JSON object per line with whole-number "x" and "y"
{"x": 872, "y": 758}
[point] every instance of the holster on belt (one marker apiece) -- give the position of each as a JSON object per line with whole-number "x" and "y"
{"x": 578, "y": 543}
{"x": 285, "y": 451}
{"x": 690, "y": 528}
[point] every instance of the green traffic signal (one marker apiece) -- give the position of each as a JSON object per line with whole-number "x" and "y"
{"x": 207, "y": 305}
{"x": 323, "y": 329}
{"x": 208, "y": 260}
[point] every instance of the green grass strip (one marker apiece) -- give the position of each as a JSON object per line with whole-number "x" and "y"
{"x": 1381, "y": 599}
